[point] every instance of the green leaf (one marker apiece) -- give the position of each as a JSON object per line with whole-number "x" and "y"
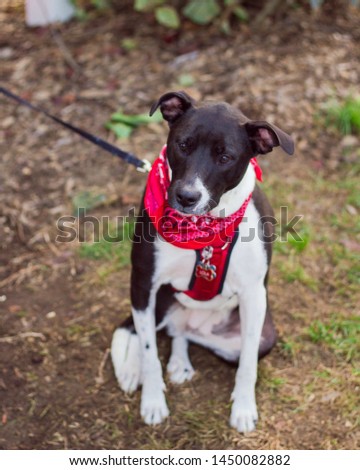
{"x": 121, "y": 130}
{"x": 136, "y": 119}
{"x": 100, "y": 4}
{"x": 225, "y": 27}
{"x": 147, "y": 5}
{"x": 167, "y": 16}
{"x": 129, "y": 44}
{"x": 241, "y": 13}
{"x": 123, "y": 124}
{"x": 186, "y": 80}
{"x": 202, "y": 11}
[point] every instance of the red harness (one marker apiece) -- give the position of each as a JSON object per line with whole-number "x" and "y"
{"x": 212, "y": 237}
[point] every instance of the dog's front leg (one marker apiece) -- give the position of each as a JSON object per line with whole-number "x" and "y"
{"x": 179, "y": 366}
{"x": 153, "y": 404}
{"x": 252, "y": 304}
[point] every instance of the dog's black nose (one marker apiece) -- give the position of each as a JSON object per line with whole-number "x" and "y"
{"x": 187, "y": 198}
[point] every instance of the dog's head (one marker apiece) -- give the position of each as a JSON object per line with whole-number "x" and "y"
{"x": 209, "y": 148}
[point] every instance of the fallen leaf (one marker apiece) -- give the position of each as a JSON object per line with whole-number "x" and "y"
{"x": 14, "y": 308}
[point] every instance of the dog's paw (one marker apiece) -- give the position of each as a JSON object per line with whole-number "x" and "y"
{"x": 125, "y": 354}
{"x": 153, "y": 407}
{"x": 243, "y": 416}
{"x": 179, "y": 369}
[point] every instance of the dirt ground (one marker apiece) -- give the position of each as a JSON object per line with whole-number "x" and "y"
{"x": 60, "y": 303}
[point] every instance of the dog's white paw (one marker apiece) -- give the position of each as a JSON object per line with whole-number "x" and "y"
{"x": 244, "y": 415}
{"x": 153, "y": 407}
{"x": 125, "y": 355}
{"x": 179, "y": 369}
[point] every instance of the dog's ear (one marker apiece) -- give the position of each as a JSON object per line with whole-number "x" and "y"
{"x": 173, "y": 105}
{"x": 264, "y": 137}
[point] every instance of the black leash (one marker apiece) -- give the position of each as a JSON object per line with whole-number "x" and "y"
{"x": 141, "y": 165}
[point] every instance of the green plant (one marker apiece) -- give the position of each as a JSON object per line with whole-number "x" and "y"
{"x": 269, "y": 381}
{"x": 345, "y": 116}
{"x": 342, "y": 335}
{"x": 292, "y": 273}
{"x": 114, "y": 245}
{"x": 82, "y": 7}
{"x": 122, "y": 125}
{"x": 201, "y": 12}
{"x": 186, "y": 80}
{"x": 164, "y": 14}
{"x": 290, "y": 347}
{"x": 167, "y": 16}
{"x": 300, "y": 242}
{"x": 87, "y": 200}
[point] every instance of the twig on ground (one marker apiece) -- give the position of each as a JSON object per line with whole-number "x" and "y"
{"x": 50, "y": 244}
{"x": 28, "y": 334}
{"x": 64, "y": 50}
{"x": 269, "y": 8}
{"x": 100, "y": 376}
{"x": 19, "y": 276}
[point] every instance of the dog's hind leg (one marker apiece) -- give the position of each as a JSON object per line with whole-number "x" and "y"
{"x": 134, "y": 356}
{"x": 153, "y": 406}
{"x": 125, "y": 354}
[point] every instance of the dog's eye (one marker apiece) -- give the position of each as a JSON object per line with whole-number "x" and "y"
{"x": 183, "y": 146}
{"x": 223, "y": 159}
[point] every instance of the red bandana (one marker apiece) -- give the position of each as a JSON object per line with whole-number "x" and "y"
{"x": 187, "y": 231}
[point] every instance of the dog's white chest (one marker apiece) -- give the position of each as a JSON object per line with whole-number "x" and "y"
{"x": 175, "y": 265}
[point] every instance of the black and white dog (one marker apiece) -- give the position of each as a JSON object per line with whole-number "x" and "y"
{"x": 207, "y": 176}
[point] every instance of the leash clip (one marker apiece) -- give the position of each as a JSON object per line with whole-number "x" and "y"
{"x": 146, "y": 166}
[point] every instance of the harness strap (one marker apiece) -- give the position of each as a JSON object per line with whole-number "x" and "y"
{"x": 208, "y": 278}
